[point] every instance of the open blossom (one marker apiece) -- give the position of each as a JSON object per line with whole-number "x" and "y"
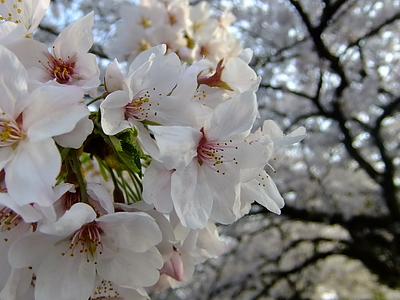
{"x": 68, "y": 61}
{"x": 148, "y": 94}
{"x": 28, "y": 13}
{"x": 257, "y": 185}
{"x": 28, "y": 121}
{"x": 204, "y": 164}
{"x": 118, "y": 247}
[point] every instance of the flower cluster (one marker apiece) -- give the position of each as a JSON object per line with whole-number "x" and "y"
{"x": 125, "y": 199}
{"x": 188, "y": 30}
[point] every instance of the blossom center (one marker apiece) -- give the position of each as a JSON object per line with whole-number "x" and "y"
{"x": 106, "y": 290}
{"x": 10, "y": 132}
{"x": 61, "y": 70}
{"x": 140, "y": 107}
{"x": 9, "y": 219}
{"x": 87, "y": 240}
{"x": 211, "y": 153}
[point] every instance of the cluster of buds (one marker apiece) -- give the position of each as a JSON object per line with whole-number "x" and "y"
{"x": 123, "y": 199}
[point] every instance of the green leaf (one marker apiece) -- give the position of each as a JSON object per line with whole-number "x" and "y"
{"x": 128, "y": 151}
{"x": 116, "y": 143}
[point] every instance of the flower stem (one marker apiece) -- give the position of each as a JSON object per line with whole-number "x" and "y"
{"x": 79, "y": 176}
{"x": 94, "y": 100}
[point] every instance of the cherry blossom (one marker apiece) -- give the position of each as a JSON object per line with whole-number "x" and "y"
{"x": 206, "y": 163}
{"x": 123, "y": 199}
{"x": 28, "y": 122}
{"x": 78, "y": 245}
{"x": 28, "y": 13}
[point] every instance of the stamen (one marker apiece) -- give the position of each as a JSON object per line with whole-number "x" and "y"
{"x": 9, "y": 219}
{"x": 105, "y": 290}
{"x": 86, "y": 240}
{"x": 10, "y": 132}
{"x": 61, "y": 70}
{"x": 211, "y": 153}
{"x": 140, "y": 107}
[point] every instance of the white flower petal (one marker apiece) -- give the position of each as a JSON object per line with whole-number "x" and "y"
{"x": 27, "y": 212}
{"x": 13, "y": 85}
{"x": 177, "y": 144}
{"x": 157, "y": 187}
{"x": 128, "y": 268}
{"x": 54, "y": 110}
{"x": 77, "y": 136}
{"x": 30, "y": 250}
{"x": 75, "y": 39}
{"x": 136, "y": 231}
{"x": 220, "y": 125}
{"x": 64, "y": 277}
{"x": 264, "y": 192}
{"x": 113, "y": 112}
{"x": 72, "y": 220}
{"x": 35, "y": 167}
{"x": 191, "y": 195}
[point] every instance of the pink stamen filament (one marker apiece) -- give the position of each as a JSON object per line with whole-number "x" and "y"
{"x": 211, "y": 153}
{"x": 139, "y": 107}
{"x": 61, "y": 70}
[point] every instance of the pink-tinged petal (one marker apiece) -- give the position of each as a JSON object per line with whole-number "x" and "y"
{"x": 75, "y": 39}
{"x": 35, "y": 168}
{"x": 173, "y": 267}
{"x": 73, "y": 219}
{"x": 77, "y": 136}
{"x": 128, "y": 268}
{"x": 191, "y": 195}
{"x": 177, "y": 144}
{"x": 119, "y": 226}
{"x": 65, "y": 277}
{"x": 220, "y": 125}
{"x": 157, "y": 187}
{"x": 113, "y": 112}
{"x": 13, "y": 85}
